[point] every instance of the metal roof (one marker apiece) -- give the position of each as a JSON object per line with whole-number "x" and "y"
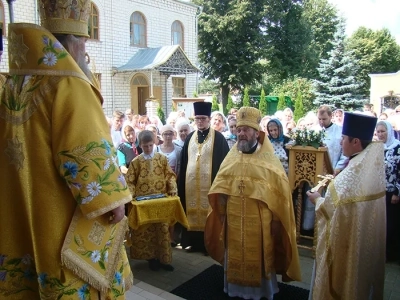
{"x": 167, "y": 60}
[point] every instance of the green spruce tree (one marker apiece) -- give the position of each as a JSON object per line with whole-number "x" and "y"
{"x": 263, "y": 105}
{"x": 338, "y": 85}
{"x": 298, "y": 107}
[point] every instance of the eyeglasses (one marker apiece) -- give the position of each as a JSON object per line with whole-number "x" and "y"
{"x": 197, "y": 119}
{"x": 168, "y": 134}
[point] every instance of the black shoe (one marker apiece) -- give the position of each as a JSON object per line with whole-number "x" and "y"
{"x": 167, "y": 267}
{"x": 154, "y": 264}
{"x": 173, "y": 244}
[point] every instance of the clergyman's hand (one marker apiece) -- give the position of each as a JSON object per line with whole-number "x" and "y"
{"x": 117, "y": 214}
{"x": 313, "y": 196}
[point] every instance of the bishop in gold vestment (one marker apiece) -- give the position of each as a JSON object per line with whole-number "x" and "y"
{"x": 56, "y": 156}
{"x": 249, "y": 196}
{"x": 351, "y": 222}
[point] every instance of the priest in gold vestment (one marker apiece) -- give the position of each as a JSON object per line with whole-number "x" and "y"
{"x": 150, "y": 174}
{"x": 251, "y": 227}
{"x": 202, "y": 154}
{"x": 56, "y": 159}
{"x": 351, "y": 220}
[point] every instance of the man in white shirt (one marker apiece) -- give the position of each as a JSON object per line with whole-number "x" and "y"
{"x": 333, "y": 136}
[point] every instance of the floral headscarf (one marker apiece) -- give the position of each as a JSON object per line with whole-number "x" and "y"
{"x": 391, "y": 141}
{"x": 280, "y": 131}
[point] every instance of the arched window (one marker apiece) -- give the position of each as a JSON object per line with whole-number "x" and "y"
{"x": 138, "y": 30}
{"x": 177, "y": 33}
{"x": 94, "y": 22}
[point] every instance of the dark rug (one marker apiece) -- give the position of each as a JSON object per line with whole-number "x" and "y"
{"x": 209, "y": 285}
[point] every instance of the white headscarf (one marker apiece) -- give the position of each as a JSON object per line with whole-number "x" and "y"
{"x": 391, "y": 141}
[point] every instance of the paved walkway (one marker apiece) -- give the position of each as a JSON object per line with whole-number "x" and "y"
{"x": 157, "y": 285}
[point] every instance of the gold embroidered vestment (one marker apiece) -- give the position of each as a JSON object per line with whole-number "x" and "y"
{"x": 351, "y": 231}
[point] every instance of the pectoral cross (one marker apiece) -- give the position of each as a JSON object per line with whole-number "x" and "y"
{"x": 241, "y": 186}
{"x": 198, "y": 156}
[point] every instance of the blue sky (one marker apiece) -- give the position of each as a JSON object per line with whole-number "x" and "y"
{"x": 374, "y": 14}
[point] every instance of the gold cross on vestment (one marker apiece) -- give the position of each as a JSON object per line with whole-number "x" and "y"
{"x": 241, "y": 186}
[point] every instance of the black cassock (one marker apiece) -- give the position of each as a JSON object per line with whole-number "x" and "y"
{"x": 220, "y": 150}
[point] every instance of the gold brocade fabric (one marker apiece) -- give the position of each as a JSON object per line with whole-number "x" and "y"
{"x": 249, "y": 191}
{"x": 149, "y": 236}
{"x": 56, "y": 155}
{"x": 351, "y": 226}
{"x": 198, "y": 180}
{"x": 92, "y": 249}
{"x": 166, "y": 210}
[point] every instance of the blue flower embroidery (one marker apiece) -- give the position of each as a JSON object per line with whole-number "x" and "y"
{"x": 118, "y": 277}
{"x": 83, "y": 291}
{"x": 42, "y": 279}
{"x": 107, "y": 146}
{"x": 72, "y": 169}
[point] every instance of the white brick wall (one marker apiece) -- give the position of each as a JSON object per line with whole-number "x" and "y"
{"x": 113, "y": 49}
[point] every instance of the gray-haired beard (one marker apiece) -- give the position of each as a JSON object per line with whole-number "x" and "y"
{"x": 244, "y": 145}
{"x": 81, "y": 61}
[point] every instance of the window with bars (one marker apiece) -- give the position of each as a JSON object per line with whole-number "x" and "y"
{"x": 177, "y": 36}
{"x": 178, "y": 85}
{"x": 138, "y": 30}
{"x": 94, "y": 22}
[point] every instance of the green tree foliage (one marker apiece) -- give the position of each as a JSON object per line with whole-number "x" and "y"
{"x": 207, "y": 86}
{"x": 298, "y": 107}
{"x": 376, "y": 52}
{"x": 287, "y": 39}
{"x": 263, "y": 104}
{"x": 246, "y": 98}
{"x": 215, "y": 106}
{"x": 230, "y": 42}
{"x": 281, "y": 102}
{"x": 322, "y": 18}
{"x": 293, "y": 86}
{"x": 338, "y": 85}
{"x": 160, "y": 114}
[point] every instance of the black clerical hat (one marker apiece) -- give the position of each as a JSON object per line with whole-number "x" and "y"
{"x": 359, "y": 126}
{"x": 202, "y": 108}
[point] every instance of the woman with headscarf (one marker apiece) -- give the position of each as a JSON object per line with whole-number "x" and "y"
{"x": 385, "y": 133}
{"x": 127, "y": 151}
{"x": 278, "y": 141}
{"x": 218, "y": 121}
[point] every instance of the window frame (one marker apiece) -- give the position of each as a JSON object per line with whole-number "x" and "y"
{"x": 176, "y": 85}
{"x": 91, "y": 28}
{"x": 142, "y": 25}
{"x": 180, "y": 31}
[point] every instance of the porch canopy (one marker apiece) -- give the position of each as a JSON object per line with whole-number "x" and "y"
{"x": 168, "y": 60}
